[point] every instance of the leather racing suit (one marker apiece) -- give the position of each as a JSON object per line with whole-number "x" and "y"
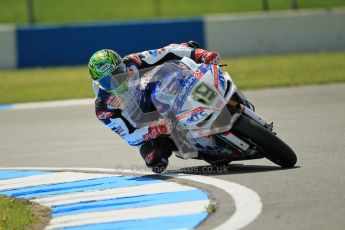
{"x": 154, "y": 147}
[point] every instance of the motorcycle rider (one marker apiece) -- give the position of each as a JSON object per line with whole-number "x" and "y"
{"x": 155, "y": 147}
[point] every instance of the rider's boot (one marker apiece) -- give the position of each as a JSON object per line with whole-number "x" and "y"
{"x": 156, "y": 154}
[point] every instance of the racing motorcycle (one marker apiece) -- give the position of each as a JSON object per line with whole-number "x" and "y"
{"x": 211, "y": 119}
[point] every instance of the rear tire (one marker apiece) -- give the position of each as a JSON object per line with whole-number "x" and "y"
{"x": 274, "y": 149}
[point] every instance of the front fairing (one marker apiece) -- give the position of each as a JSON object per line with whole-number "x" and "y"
{"x": 193, "y": 96}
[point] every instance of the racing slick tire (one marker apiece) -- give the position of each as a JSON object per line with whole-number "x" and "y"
{"x": 272, "y": 147}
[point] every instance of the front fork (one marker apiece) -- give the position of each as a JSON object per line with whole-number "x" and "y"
{"x": 240, "y": 105}
{"x": 256, "y": 117}
{"x": 242, "y": 110}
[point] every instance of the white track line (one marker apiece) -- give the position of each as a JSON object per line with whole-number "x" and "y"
{"x": 183, "y": 208}
{"x": 52, "y": 104}
{"x": 111, "y": 193}
{"x": 247, "y": 202}
{"x": 51, "y": 178}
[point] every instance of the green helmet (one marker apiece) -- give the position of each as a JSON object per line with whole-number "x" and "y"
{"x": 104, "y": 65}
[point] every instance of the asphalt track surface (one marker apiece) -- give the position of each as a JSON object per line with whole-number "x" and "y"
{"x": 310, "y": 119}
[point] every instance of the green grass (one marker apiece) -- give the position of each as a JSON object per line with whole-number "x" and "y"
{"x": 43, "y": 84}
{"x": 14, "y": 214}
{"x": 287, "y": 70}
{"x": 68, "y": 11}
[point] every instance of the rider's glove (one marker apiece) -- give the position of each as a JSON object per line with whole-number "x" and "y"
{"x": 210, "y": 57}
{"x": 160, "y": 127}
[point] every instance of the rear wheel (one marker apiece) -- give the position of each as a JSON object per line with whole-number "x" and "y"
{"x": 274, "y": 149}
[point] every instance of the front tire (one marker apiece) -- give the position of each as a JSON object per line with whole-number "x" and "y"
{"x": 274, "y": 149}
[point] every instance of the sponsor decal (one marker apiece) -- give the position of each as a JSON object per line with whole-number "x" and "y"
{"x": 221, "y": 79}
{"x": 104, "y": 115}
{"x": 136, "y": 142}
{"x": 153, "y": 53}
{"x": 150, "y": 157}
{"x": 147, "y": 137}
{"x": 197, "y": 116}
{"x": 216, "y": 76}
{"x": 187, "y": 86}
{"x": 104, "y": 67}
{"x": 182, "y": 96}
{"x": 219, "y": 103}
{"x": 160, "y": 51}
{"x": 115, "y": 101}
{"x": 198, "y": 74}
{"x": 119, "y": 130}
{"x": 194, "y": 111}
{"x": 153, "y": 133}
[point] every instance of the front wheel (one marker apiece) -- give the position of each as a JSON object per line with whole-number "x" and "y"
{"x": 274, "y": 149}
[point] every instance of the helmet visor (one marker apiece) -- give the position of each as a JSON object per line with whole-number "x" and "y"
{"x": 116, "y": 82}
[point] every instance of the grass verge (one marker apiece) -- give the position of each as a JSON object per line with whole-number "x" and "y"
{"x": 42, "y": 84}
{"x": 14, "y": 214}
{"x": 287, "y": 70}
{"x": 67, "y": 11}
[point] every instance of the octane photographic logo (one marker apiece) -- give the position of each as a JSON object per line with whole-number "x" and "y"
{"x": 205, "y": 170}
